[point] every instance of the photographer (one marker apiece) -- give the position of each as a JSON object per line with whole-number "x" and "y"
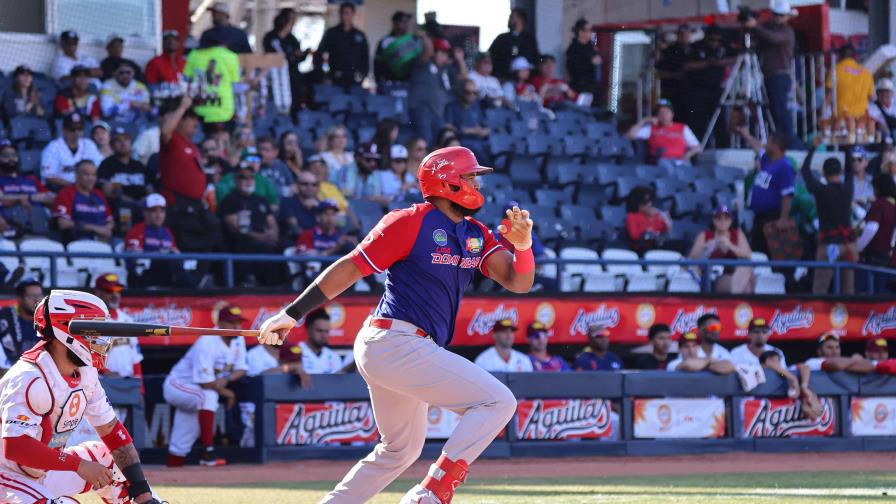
{"x": 776, "y": 45}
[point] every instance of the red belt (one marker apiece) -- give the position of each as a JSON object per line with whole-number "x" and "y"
{"x": 386, "y": 323}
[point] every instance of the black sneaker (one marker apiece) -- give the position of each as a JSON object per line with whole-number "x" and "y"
{"x": 209, "y": 459}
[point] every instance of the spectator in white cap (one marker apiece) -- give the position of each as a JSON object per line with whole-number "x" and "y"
{"x": 518, "y": 88}
{"x": 221, "y": 30}
{"x": 152, "y": 235}
{"x": 68, "y": 58}
{"x": 883, "y": 110}
{"x": 396, "y": 181}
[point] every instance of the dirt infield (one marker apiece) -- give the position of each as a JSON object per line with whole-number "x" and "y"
{"x": 332, "y": 470}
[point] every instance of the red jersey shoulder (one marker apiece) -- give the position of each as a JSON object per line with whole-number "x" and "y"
{"x": 133, "y": 239}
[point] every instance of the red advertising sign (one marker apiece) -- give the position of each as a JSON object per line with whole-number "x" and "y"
{"x": 627, "y": 318}
{"x": 782, "y": 418}
{"x": 332, "y": 422}
{"x": 563, "y": 419}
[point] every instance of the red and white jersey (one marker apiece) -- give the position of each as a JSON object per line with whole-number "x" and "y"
{"x": 210, "y": 358}
{"x": 37, "y": 401}
{"x": 125, "y": 352}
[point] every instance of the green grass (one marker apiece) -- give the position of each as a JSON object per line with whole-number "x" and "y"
{"x": 827, "y": 487}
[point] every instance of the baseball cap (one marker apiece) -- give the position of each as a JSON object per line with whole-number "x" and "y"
{"x": 315, "y": 159}
{"x": 101, "y": 124}
{"x": 664, "y": 103}
{"x": 118, "y": 130}
{"x": 170, "y": 33}
{"x": 722, "y": 209}
{"x": 598, "y": 330}
{"x": 21, "y": 69}
{"x": 109, "y": 282}
{"x": 327, "y": 204}
{"x": 859, "y": 152}
{"x": 504, "y": 324}
{"x": 781, "y": 8}
{"x": 537, "y": 330}
{"x": 368, "y": 150}
{"x": 520, "y": 63}
{"x": 398, "y": 151}
{"x": 441, "y": 44}
{"x": 230, "y": 313}
{"x": 758, "y": 323}
{"x": 291, "y": 353}
{"x": 885, "y": 84}
{"x": 78, "y": 70}
{"x": 828, "y": 336}
{"x": 250, "y": 154}
{"x": 69, "y": 35}
{"x": 73, "y": 120}
{"x": 221, "y": 7}
{"x": 155, "y": 200}
{"x": 875, "y": 343}
{"x": 399, "y": 15}
{"x": 114, "y": 38}
{"x": 25, "y": 283}
{"x": 690, "y": 336}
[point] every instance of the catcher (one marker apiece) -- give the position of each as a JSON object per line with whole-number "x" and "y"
{"x": 43, "y": 398}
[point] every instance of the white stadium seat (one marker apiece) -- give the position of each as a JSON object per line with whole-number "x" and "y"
{"x": 67, "y": 275}
{"x": 667, "y": 270}
{"x": 683, "y": 282}
{"x": 600, "y": 281}
{"x": 571, "y": 274}
{"x": 89, "y": 268}
{"x": 10, "y": 263}
{"x": 641, "y": 282}
{"x": 770, "y": 283}
{"x": 621, "y": 254}
{"x": 760, "y": 257}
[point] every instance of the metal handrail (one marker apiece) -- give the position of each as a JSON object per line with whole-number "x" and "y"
{"x": 230, "y": 259}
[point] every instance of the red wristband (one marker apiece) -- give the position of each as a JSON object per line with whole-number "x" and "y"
{"x": 523, "y": 261}
{"x": 117, "y": 438}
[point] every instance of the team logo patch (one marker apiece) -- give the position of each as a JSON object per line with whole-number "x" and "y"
{"x": 440, "y": 237}
{"x": 474, "y": 245}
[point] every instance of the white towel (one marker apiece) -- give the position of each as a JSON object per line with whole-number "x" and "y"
{"x": 750, "y": 375}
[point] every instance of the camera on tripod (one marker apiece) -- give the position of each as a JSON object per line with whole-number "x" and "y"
{"x": 745, "y": 13}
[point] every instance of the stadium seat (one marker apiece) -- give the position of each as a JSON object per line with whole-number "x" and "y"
{"x": 599, "y": 130}
{"x": 591, "y": 196}
{"x": 356, "y": 120}
{"x": 539, "y": 211}
{"x": 365, "y": 133}
{"x": 324, "y": 93}
{"x": 31, "y": 129}
{"x": 344, "y": 104}
{"x": 666, "y": 188}
{"x": 685, "y": 204}
{"x": 760, "y": 257}
{"x": 538, "y": 144}
{"x": 498, "y": 180}
{"x": 526, "y": 171}
{"x": 580, "y": 270}
{"x": 683, "y": 282}
{"x": 30, "y": 160}
{"x": 608, "y": 174}
{"x": 549, "y": 270}
{"x": 613, "y": 214}
{"x": 569, "y": 173}
{"x": 642, "y": 282}
{"x": 770, "y": 283}
{"x": 616, "y": 254}
{"x": 67, "y": 275}
{"x": 729, "y": 174}
{"x": 9, "y": 262}
{"x": 91, "y": 267}
{"x": 363, "y": 207}
{"x": 710, "y": 187}
{"x": 684, "y": 231}
{"x": 551, "y": 229}
{"x": 521, "y": 196}
{"x": 574, "y": 214}
{"x": 597, "y": 232}
{"x": 625, "y": 185}
{"x": 490, "y": 213}
{"x": 551, "y": 197}
{"x": 600, "y": 281}
{"x": 499, "y": 118}
{"x": 501, "y": 146}
{"x": 649, "y": 173}
{"x": 368, "y": 222}
{"x": 665, "y": 270}
{"x": 575, "y": 145}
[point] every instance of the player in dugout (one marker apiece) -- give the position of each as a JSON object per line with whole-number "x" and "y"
{"x": 61, "y": 369}
{"x": 430, "y": 253}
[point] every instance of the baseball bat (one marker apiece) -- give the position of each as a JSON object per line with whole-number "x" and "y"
{"x": 134, "y": 329}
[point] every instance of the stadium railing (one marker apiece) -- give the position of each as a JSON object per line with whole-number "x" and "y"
{"x": 229, "y": 260}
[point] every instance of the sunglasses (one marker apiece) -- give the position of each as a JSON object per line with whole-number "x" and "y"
{"x": 124, "y": 72}
{"x": 307, "y": 184}
{"x": 245, "y": 177}
{"x": 717, "y": 327}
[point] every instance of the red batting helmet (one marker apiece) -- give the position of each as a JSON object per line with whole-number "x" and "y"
{"x": 441, "y": 174}
{"x": 53, "y": 313}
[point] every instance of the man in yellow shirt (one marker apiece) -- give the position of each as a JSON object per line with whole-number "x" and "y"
{"x": 855, "y": 86}
{"x": 213, "y": 71}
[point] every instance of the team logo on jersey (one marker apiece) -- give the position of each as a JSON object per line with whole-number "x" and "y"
{"x": 474, "y": 245}
{"x": 440, "y": 237}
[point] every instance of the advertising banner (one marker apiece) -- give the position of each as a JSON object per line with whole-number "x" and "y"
{"x": 564, "y": 419}
{"x": 440, "y": 422}
{"x": 627, "y": 318}
{"x": 873, "y": 416}
{"x": 333, "y": 422}
{"x": 679, "y": 418}
{"x": 782, "y": 418}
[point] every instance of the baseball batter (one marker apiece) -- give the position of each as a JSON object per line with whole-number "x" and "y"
{"x": 43, "y": 398}
{"x": 430, "y": 253}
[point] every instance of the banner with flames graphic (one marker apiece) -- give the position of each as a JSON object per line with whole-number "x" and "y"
{"x": 679, "y": 418}
{"x": 782, "y": 418}
{"x": 564, "y": 419}
{"x": 627, "y": 318}
{"x": 335, "y": 422}
{"x": 873, "y": 416}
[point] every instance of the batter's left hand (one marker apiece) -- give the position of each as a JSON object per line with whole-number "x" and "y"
{"x": 517, "y": 228}
{"x": 274, "y": 330}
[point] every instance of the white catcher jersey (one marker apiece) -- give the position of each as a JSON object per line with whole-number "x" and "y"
{"x": 210, "y": 358}
{"x": 37, "y": 401}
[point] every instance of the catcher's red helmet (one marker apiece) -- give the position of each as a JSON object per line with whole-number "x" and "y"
{"x": 441, "y": 174}
{"x": 53, "y": 313}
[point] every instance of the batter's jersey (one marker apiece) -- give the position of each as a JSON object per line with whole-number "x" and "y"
{"x": 125, "y": 352}
{"x": 37, "y": 401}
{"x": 207, "y": 360}
{"x": 490, "y": 360}
{"x": 327, "y": 362}
{"x": 429, "y": 261}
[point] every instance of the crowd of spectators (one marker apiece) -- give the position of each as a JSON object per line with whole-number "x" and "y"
{"x": 242, "y": 175}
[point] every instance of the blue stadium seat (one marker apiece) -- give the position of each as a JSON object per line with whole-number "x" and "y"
{"x": 625, "y": 184}
{"x": 608, "y": 174}
{"x": 613, "y": 215}
{"x": 357, "y": 120}
{"x": 729, "y": 174}
{"x": 591, "y": 196}
{"x": 551, "y": 229}
{"x": 597, "y": 232}
{"x": 574, "y": 214}
{"x": 29, "y": 160}
{"x": 539, "y": 144}
{"x": 649, "y": 172}
{"x": 499, "y": 119}
{"x": 365, "y": 133}
{"x": 551, "y": 197}
{"x": 685, "y": 204}
{"x": 575, "y": 145}
{"x": 363, "y": 207}
{"x": 344, "y": 103}
{"x": 538, "y": 211}
{"x": 526, "y": 171}
{"x": 30, "y": 129}
{"x": 667, "y": 187}
{"x": 325, "y": 92}
{"x": 599, "y": 130}
{"x": 490, "y": 213}
{"x": 520, "y": 195}
{"x": 569, "y": 173}
{"x": 710, "y": 186}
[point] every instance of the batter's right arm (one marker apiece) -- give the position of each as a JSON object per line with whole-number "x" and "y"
{"x": 333, "y": 281}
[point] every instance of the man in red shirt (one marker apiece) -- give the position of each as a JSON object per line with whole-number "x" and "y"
{"x": 167, "y": 67}
{"x": 666, "y": 139}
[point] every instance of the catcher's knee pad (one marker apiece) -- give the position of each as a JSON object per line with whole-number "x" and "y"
{"x": 99, "y": 453}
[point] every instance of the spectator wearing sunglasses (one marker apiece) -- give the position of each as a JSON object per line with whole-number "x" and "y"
{"x": 709, "y": 330}
{"x": 249, "y": 158}
{"x": 59, "y": 157}
{"x": 299, "y": 212}
{"x": 123, "y": 98}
